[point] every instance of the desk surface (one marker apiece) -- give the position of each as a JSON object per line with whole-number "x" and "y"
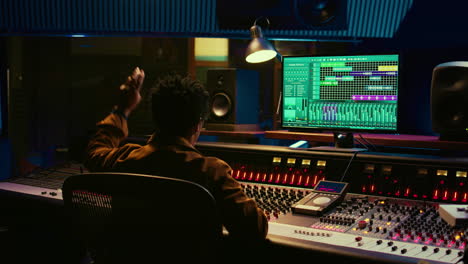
{"x": 237, "y": 134}
{"x": 412, "y": 141}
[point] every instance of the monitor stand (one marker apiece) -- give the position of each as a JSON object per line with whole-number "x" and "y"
{"x": 344, "y": 142}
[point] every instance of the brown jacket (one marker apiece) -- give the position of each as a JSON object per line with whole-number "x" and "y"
{"x": 176, "y": 157}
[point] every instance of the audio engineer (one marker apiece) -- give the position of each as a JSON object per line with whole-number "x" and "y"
{"x": 180, "y": 106}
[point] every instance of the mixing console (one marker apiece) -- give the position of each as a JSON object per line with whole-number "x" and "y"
{"x": 404, "y": 228}
{"x": 390, "y": 213}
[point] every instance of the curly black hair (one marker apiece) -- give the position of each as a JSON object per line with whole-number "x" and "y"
{"x": 178, "y": 104}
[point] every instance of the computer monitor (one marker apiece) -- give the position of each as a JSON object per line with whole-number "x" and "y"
{"x": 341, "y": 93}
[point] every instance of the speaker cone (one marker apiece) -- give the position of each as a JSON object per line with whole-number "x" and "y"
{"x": 221, "y": 105}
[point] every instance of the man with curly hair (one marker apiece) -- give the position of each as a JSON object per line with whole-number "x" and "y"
{"x": 180, "y": 106}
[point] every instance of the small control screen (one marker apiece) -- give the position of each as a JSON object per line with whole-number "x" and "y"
{"x": 330, "y": 186}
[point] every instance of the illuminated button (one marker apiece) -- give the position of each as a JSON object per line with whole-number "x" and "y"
{"x": 369, "y": 168}
{"x": 387, "y": 169}
{"x": 291, "y": 161}
{"x": 442, "y": 172}
{"x": 276, "y": 160}
{"x": 422, "y": 171}
{"x": 321, "y": 163}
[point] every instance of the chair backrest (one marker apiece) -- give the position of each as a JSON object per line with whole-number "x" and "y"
{"x": 135, "y": 218}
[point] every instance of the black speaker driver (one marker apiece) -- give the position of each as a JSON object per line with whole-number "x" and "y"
{"x": 453, "y": 110}
{"x": 449, "y": 101}
{"x": 221, "y": 105}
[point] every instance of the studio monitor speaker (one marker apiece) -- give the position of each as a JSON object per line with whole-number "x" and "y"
{"x": 449, "y": 100}
{"x": 234, "y": 99}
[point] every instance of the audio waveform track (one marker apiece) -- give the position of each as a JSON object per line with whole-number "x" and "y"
{"x": 353, "y": 115}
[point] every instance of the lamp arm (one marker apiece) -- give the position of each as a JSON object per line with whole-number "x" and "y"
{"x": 258, "y": 18}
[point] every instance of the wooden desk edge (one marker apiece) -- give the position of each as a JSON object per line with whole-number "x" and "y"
{"x": 415, "y": 141}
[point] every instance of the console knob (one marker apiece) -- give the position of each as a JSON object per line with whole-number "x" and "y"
{"x": 362, "y": 224}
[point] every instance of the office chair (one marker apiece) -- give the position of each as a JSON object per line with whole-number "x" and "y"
{"x": 135, "y": 218}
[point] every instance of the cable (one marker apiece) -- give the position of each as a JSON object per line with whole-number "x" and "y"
{"x": 347, "y": 167}
{"x": 363, "y": 144}
{"x": 368, "y": 142}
